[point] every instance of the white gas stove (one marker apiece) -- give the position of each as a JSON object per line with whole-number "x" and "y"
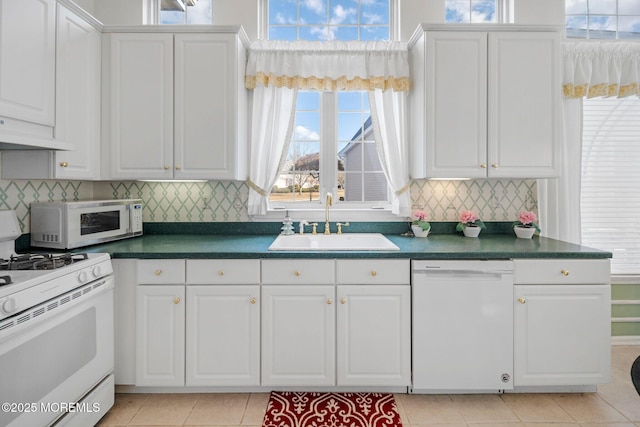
{"x": 56, "y": 334}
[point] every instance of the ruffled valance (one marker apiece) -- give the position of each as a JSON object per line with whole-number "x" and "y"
{"x": 592, "y": 69}
{"x": 328, "y": 66}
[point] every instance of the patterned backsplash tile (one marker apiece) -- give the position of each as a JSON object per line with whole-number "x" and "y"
{"x": 225, "y": 201}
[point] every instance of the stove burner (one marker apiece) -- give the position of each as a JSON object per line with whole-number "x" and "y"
{"x": 5, "y": 280}
{"x": 40, "y": 261}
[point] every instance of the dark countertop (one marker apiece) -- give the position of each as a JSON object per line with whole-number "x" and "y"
{"x": 436, "y": 246}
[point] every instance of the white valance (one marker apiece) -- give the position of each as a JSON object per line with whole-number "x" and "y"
{"x": 330, "y": 66}
{"x": 592, "y": 69}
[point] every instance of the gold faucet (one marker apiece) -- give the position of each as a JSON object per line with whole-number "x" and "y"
{"x": 328, "y": 202}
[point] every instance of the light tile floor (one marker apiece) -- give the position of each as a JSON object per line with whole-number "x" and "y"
{"x": 616, "y": 404}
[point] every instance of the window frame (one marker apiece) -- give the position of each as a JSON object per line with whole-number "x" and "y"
{"x": 587, "y": 31}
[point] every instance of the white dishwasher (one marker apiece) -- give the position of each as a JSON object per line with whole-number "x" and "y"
{"x": 462, "y": 326}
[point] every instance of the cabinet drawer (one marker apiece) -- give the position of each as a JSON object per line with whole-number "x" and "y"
{"x": 298, "y": 272}
{"x": 223, "y": 271}
{"x": 160, "y": 271}
{"x": 561, "y": 271}
{"x": 372, "y": 271}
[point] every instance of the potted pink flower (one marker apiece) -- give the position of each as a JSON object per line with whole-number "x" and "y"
{"x": 419, "y": 224}
{"x": 470, "y": 224}
{"x": 526, "y": 225}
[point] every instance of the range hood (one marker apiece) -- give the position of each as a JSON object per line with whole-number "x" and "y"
{"x": 22, "y": 142}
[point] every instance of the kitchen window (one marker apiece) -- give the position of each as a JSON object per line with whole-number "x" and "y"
{"x": 603, "y": 19}
{"x": 471, "y": 11}
{"x": 332, "y": 145}
{"x": 183, "y": 12}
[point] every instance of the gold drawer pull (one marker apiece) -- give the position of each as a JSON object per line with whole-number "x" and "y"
{"x": 176, "y": 300}
{"x": 483, "y": 165}
{"x": 297, "y": 273}
{"x": 329, "y": 301}
{"x": 343, "y": 300}
{"x": 252, "y": 300}
{"x": 177, "y": 168}
{"x": 64, "y": 164}
{"x": 494, "y": 165}
{"x": 374, "y": 273}
{"x": 166, "y": 167}
{"x": 565, "y": 272}
{"x": 158, "y": 272}
{"x": 221, "y": 273}
{"x": 521, "y": 300}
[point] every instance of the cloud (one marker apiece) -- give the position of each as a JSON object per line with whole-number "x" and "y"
{"x": 340, "y": 14}
{"x": 302, "y": 133}
{"x": 372, "y": 18}
{"x": 316, "y": 6}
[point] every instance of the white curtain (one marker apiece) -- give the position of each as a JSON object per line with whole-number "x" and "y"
{"x": 592, "y": 69}
{"x": 559, "y": 199}
{"x": 271, "y": 127}
{"x": 276, "y": 70}
{"x": 389, "y": 119}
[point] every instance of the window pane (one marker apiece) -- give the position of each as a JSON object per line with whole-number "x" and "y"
{"x": 283, "y": 33}
{"x": 344, "y": 12}
{"x": 344, "y": 33}
{"x": 576, "y": 7}
{"x": 470, "y": 11}
{"x": 313, "y": 12}
{"x": 200, "y": 13}
{"x": 628, "y": 7}
{"x": 602, "y": 7}
{"x": 602, "y": 27}
{"x": 483, "y": 11}
{"x": 458, "y": 11}
{"x": 282, "y": 12}
{"x": 629, "y": 27}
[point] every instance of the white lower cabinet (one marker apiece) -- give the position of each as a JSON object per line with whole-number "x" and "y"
{"x": 223, "y": 335}
{"x": 373, "y": 335}
{"x": 354, "y": 334}
{"x": 298, "y": 335}
{"x": 160, "y": 333}
{"x": 562, "y": 321}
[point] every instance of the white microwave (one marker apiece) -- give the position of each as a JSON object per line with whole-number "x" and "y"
{"x": 68, "y": 225}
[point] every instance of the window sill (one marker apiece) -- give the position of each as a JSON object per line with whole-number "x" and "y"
{"x": 335, "y": 214}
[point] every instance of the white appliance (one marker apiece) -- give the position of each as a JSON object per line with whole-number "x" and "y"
{"x": 462, "y": 326}
{"x": 68, "y": 225}
{"x": 56, "y": 335}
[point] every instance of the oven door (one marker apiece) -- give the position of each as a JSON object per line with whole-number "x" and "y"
{"x": 94, "y": 224}
{"x": 53, "y": 354}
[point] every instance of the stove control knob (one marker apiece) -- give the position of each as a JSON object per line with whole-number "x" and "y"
{"x": 8, "y": 305}
{"x": 96, "y": 271}
{"x": 83, "y": 277}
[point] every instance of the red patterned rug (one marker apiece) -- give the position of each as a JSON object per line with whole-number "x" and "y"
{"x": 289, "y": 409}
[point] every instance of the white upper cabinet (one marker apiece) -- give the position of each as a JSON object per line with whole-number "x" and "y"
{"x": 176, "y": 106}
{"x": 27, "y": 60}
{"x": 485, "y": 103}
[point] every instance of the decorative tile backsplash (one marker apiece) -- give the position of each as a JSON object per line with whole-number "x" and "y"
{"x": 225, "y": 201}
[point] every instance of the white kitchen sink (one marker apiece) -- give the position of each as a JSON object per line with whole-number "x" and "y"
{"x": 333, "y": 242}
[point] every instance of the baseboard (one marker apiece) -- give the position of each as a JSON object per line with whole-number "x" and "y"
{"x": 626, "y": 340}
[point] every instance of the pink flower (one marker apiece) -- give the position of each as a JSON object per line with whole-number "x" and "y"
{"x": 420, "y": 216}
{"x": 467, "y": 217}
{"x": 527, "y": 217}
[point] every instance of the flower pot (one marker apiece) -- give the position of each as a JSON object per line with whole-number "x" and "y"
{"x": 419, "y": 232}
{"x": 524, "y": 232}
{"x": 471, "y": 231}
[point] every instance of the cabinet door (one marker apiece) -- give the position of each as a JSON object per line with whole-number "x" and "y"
{"x": 525, "y": 128}
{"x": 27, "y": 68}
{"x": 456, "y": 104}
{"x": 298, "y": 335}
{"x": 140, "y": 105}
{"x": 77, "y": 97}
{"x": 223, "y": 335}
{"x": 206, "y": 102}
{"x": 374, "y": 335}
{"x": 562, "y": 335}
{"x": 160, "y": 311}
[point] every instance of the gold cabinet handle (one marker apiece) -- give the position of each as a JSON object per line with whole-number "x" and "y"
{"x": 564, "y": 272}
{"x": 252, "y": 300}
{"x": 177, "y": 168}
{"x": 221, "y": 273}
{"x": 166, "y": 167}
{"x": 483, "y": 165}
{"x": 176, "y": 300}
{"x": 64, "y": 164}
{"x": 329, "y": 301}
{"x": 522, "y": 300}
{"x": 297, "y": 273}
{"x": 343, "y": 300}
{"x": 494, "y": 165}
{"x": 158, "y": 272}
{"x": 374, "y": 273}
